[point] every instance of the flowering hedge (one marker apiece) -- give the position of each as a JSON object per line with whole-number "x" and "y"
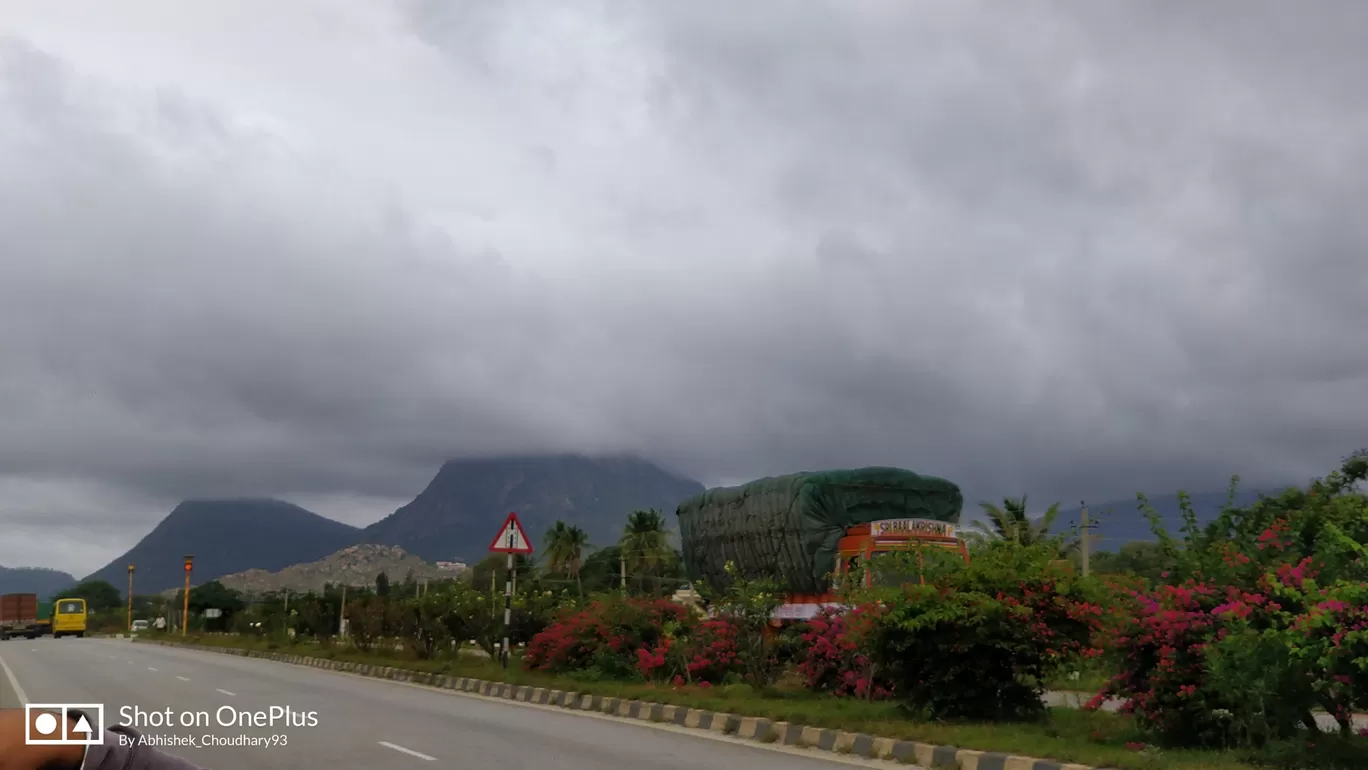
{"x": 981, "y": 643}
{"x": 606, "y": 636}
{"x": 1266, "y": 622}
{"x": 835, "y": 657}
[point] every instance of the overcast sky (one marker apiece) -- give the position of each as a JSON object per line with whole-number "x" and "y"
{"x": 308, "y": 249}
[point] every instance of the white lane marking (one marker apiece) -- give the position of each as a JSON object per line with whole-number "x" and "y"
{"x": 225, "y": 692}
{"x": 14, "y": 683}
{"x": 33, "y": 649}
{"x": 111, "y": 657}
{"x": 410, "y": 752}
{"x": 149, "y": 668}
{"x": 183, "y": 678}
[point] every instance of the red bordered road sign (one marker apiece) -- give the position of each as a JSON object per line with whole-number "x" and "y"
{"x": 511, "y": 538}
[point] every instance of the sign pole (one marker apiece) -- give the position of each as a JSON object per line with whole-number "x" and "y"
{"x": 508, "y": 601}
{"x": 510, "y": 540}
{"x": 130, "y": 598}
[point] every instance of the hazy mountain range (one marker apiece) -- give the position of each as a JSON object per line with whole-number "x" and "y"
{"x": 453, "y": 519}
{"x": 456, "y": 515}
{"x": 34, "y": 580}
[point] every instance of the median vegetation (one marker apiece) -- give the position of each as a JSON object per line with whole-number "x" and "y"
{"x": 1247, "y": 647}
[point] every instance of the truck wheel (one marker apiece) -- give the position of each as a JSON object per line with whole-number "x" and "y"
{"x": 80, "y": 634}
{"x": 56, "y": 635}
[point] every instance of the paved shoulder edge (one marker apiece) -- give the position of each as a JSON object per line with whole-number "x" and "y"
{"x": 749, "y": 728}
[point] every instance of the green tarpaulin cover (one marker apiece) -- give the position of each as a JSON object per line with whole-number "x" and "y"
{"x": 787, "y": 527}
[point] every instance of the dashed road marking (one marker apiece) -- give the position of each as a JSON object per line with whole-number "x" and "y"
{"x": 149, "y": 668}
{"x": 225, "y": 692}
{"x": 410, "y": 752}
{"x": 183, "y": 678}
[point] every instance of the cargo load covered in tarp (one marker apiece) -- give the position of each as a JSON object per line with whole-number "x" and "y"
{"x": 788, "y": 527}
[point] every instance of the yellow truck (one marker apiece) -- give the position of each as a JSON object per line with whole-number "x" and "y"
{"x": 69, "y": 618}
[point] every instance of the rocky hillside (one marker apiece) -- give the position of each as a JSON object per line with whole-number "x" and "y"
{"x": 226, "y": 536}
{"x": 462, "y": 508}
{"x": 357, "y": 565}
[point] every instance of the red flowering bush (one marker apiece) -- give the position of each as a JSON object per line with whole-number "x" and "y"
{"x": 980, "y": 644}
{"x": 606, "y": 636}
{"x": 711, "y": 652}
{"x": 834, "y": 659}
{"x": 1268, "y": 624}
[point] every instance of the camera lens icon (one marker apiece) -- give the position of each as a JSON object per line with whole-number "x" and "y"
{"x": 45, "y": 724}
{"x": 64, "y": 724}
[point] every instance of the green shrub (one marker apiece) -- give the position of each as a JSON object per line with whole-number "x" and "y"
{"x": 1267, "y": 622}
{"x": 980, "y": 642}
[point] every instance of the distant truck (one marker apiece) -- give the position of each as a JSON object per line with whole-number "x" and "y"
{"x": 810, "y": 530}
{"x": 19, "y": 616}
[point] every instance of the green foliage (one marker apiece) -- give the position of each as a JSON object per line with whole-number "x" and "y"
{"x": 565, "y": 546}
{"x": 98, "y": 594}
{"x": 979, "y": 640}
{"x": 382, "y": 584}
{"x": 1264, "y": 620}
{"x": 645, "y": 547}
{"x": 1143, "y": 559}
{"x": 747, "y": 606}
{"x": 1012, "y": 523}
{"x": 606, "y": 636}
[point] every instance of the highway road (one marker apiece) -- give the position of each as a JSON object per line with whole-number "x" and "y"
{"x": 361, "y": 723}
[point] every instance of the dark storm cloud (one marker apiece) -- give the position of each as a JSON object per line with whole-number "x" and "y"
{"x": 1046, "y": 249}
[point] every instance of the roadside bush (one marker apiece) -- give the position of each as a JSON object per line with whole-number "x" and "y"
{"x": 834, "y": 657}
{"x": 738, "y": 639}
{"x": 605, "y": 636}
{"x": 1266, "y": 623}
{"x": 981, "y": 643}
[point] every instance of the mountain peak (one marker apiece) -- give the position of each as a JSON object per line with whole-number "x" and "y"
{"x": 458, "y": 512}
{"x": 226, "y": 536}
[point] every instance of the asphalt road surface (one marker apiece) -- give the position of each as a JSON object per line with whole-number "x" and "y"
{"x": 361, "y": 723}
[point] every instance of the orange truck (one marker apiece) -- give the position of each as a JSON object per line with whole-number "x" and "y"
{"x": 19, "y": 616}
{"x": 862, "y": 543}
{"x": 813, "y": 531}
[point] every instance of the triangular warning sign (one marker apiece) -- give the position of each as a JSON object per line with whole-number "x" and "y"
{"x": 82, "y": 726}
{"x": 511, "y": 538}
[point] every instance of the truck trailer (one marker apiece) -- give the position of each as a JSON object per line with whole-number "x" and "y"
{"x": 19, "y": 616}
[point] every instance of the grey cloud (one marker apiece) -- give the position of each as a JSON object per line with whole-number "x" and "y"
{"x": 1049, "y": 250}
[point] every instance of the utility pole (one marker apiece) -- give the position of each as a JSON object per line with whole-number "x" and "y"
{"x": 185, "y": 609}
{"x": 342, "y": 614}
{"x": 130, "y": 598}
{"x": 1083, "y": 522}
{"x": 622, "y": 570}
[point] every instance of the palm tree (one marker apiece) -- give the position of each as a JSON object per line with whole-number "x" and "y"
{"x": 565, "y": 546}
{"x": 1011, "y": 522}
{"x": 645, "y": 544}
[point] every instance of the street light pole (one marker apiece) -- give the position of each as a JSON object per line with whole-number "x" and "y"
{"x": 185, "y": 608}
{"x": 130, "y": 598}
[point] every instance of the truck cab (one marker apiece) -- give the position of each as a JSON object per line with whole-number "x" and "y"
{"x": 861, "y": 543}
